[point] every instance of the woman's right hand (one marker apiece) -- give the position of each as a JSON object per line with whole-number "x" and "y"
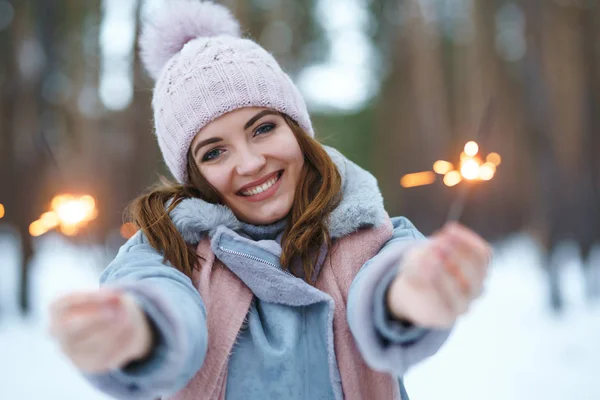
{"x": 100, "y": 330}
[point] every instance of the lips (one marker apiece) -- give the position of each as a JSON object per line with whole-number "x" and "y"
{"x": 259, "y": 183}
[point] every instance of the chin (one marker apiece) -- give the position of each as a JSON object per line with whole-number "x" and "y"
{"x": 264, "y": 218}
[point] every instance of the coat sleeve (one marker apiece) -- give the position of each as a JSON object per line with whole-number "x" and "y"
{"x": 176, "y": 313}
{"x": 385, "y": 343}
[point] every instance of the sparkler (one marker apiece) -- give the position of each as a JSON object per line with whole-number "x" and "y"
{"x": 68, "y": 214}
{"x": 471, "y": 168}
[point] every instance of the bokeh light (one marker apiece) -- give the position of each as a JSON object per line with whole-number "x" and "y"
{"x": 49, "y": 220}
{"x": 36, "y": 228}
{"x": 442, "y": 167}
{"x": 452, "y": 178}
{"x": 68, "y": 214}
{"x": 470, "y": 169}
{"x": 417, "y": 179}
{"x": 128, "y": 229}
{"x": 494, "y": 158}
{"x": 471, "y": 148}
{"x": 487, "y": 171}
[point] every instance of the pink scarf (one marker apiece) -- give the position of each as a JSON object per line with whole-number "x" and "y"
{"x": 228, "y": 299}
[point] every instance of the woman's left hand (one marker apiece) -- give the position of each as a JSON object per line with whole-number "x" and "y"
{"x": 440, "y": 278}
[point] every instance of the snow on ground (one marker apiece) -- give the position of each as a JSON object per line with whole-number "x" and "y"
{"x": 510, "y": 347}
{"x": 507, "y": 347}
{"x": 31, "y": 365}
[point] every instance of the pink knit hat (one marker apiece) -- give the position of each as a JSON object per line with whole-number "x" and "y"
{"x": 204, "y": 69}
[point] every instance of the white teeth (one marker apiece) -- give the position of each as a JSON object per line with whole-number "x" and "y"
{"x": 261, "y": 188}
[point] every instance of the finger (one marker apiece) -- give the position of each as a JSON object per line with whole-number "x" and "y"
{"x": 450, "y": 291}
{"x": 460, "y": 264}
{"x": 83, "y": 299}
{"x": 120, "y": 352}
{"x": 476, "y": 255}
{"x": 115, "y": 346}
{"x": 92, "y": 351}
{"x": 74, "y": 317}
{"x": 469, "y": 237}
{"x": 451, "y": 259}
{"x": 79, "y": 325}
{"x": 86, "y": 347}
{"x": 100, "y": 341}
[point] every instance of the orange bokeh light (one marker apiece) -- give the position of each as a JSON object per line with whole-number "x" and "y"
{"x": 128, "y": 229}
{"x": 470, "y": 169}
{"x": 487, "y": 171}
{"x": 69, "y": 230}
{"x": 68, "y": 214}
{"x": 471, "y": 148}
{"x": 417, "y": 179}
{"x": 442, "y": 167}
{"x": 494, "y": 158}
{"x": 49, "y": 219}
{"x": 452, "y": 178}
{"x": 36, "y": 228}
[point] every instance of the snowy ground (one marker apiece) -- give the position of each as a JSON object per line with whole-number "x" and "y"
{"x": 507, "y": 347}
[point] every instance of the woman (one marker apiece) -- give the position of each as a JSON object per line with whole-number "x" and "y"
{"x": 271, "y": 269}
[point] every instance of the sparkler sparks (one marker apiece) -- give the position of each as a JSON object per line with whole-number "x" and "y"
{"x": 452, "y": 178}
{"x": 68, "y": 214}
{"x": 442, "y": 167}
{"x": 470, "y": 168}
{"x": 494, "y": 158}
{"x": 417, "y": 179}
{"x": 471, "y": 148}
{"x": 487, "y": 171}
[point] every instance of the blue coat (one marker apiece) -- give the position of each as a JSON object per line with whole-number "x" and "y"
{"x": 282, "y": 351}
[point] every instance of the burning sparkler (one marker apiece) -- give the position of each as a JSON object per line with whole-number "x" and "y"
{"x": 471, "y": 168}
{"x": 68, "y": 214}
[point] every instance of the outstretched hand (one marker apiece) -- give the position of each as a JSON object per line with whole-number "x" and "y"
{"x": 439, "y": 279}
{"x": 100, "y": 330}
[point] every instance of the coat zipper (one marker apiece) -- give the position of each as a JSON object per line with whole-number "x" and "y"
{"x": 254, "y": 258}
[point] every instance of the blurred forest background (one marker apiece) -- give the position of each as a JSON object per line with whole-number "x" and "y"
{"x": 394, "y": 84}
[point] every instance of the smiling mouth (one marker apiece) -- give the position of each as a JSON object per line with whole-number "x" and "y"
{"x": 261, "y": 188}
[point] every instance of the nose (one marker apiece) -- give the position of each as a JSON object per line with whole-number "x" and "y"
{"x": 250, "y": 162}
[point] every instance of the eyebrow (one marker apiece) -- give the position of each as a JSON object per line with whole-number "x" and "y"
{"x": 258, "y": 116}
{"x": 204, "y": 143}
{"x": 248, "y": 124}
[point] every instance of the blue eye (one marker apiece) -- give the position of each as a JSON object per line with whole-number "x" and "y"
{"x": 211, "y": 155}
{"x": 264, "y": 128}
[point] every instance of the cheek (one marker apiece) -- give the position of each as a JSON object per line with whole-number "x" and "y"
{"x": 298, "y": 159}
{"x": 289, "y": 150}
{"x": 217, "y": 178}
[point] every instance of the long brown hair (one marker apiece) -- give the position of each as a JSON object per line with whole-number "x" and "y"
{"x": 317, "y": 194}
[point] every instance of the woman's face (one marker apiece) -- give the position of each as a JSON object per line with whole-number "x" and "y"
{"x": 253, "y": 160}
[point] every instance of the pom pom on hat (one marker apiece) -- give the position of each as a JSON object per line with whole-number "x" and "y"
{"x": 165, "y": 34}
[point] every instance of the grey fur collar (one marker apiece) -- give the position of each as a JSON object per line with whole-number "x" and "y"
{"x": 361, "y": 205}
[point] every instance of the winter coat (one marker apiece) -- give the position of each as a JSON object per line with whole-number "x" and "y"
{"x": 243, "y": 328}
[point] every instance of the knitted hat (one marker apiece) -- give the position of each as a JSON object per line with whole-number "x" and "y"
{"x": 204, "y": 69}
